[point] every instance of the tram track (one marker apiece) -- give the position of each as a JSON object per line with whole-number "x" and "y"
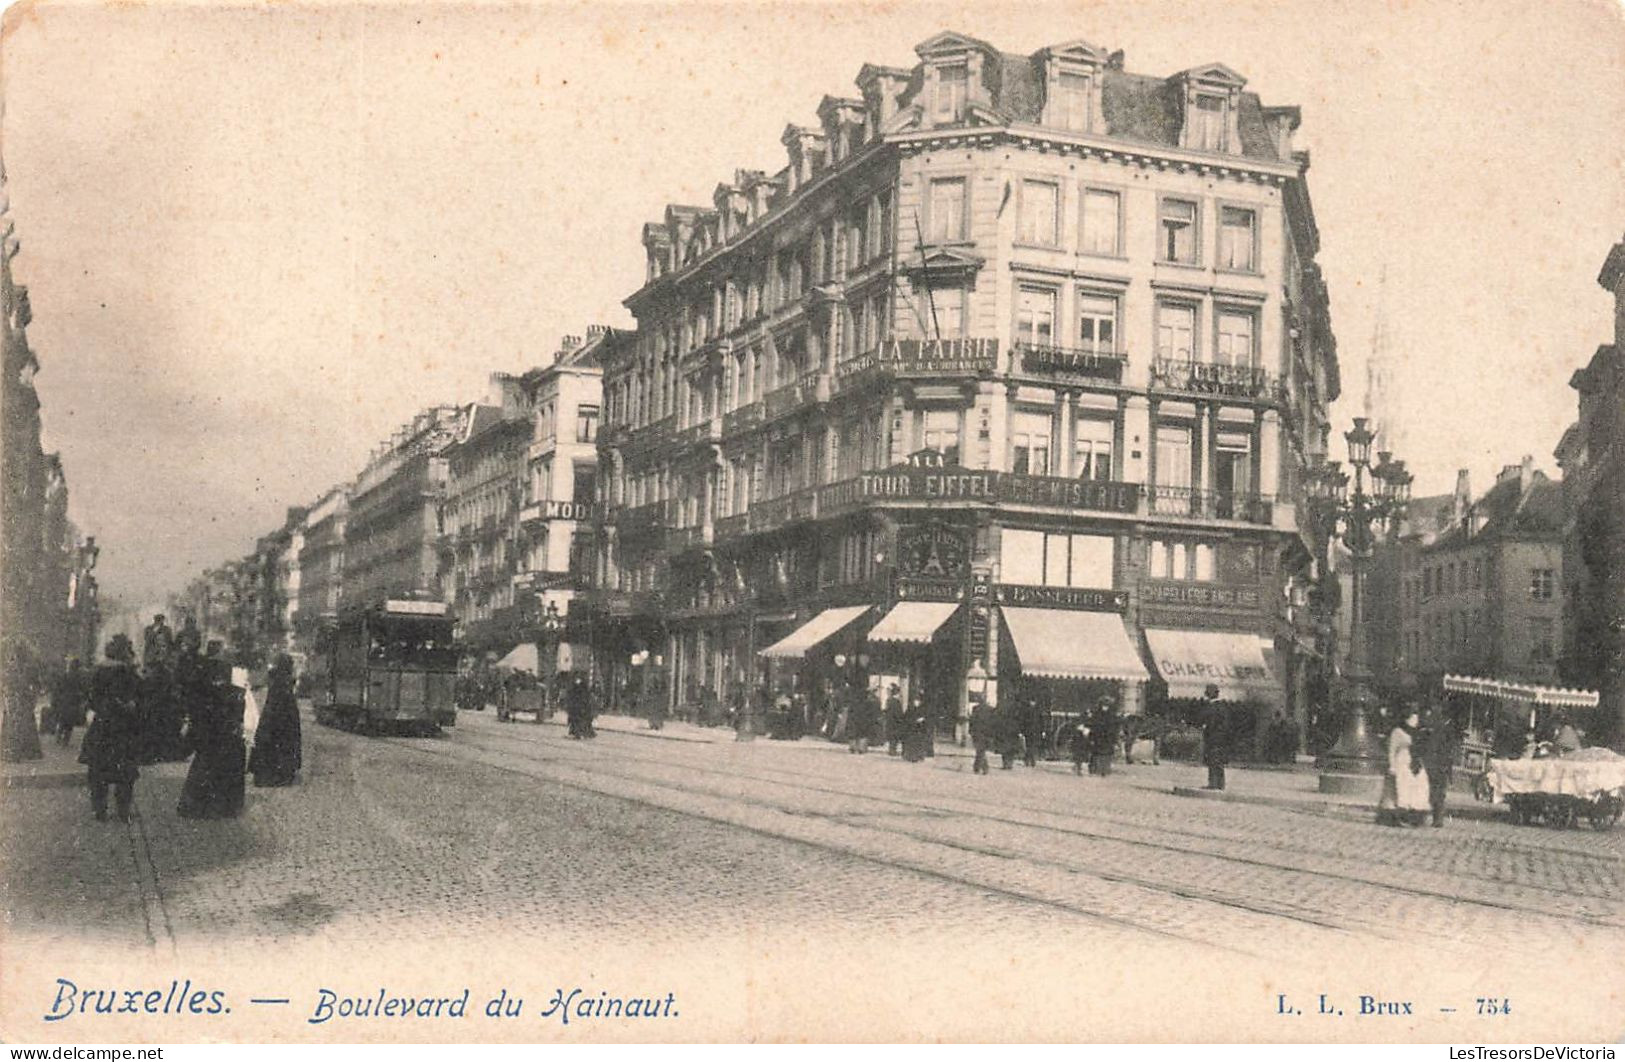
{"x": 1314, "y": 919}
{"x": 810, "y": 782}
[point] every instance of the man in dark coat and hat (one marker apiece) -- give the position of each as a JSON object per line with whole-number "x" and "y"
{"x": 112, "y": 746}
{"x": 983, "y": 731}
{"x": 68, "y": 695}
{"x": 1033, "y": 723}
{"x": 1215, "y": 737}
{"x": 278, "y": 754}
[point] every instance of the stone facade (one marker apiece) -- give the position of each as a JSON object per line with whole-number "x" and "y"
{"x": 1060, "y": 319}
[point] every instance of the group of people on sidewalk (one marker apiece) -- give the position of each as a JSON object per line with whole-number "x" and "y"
{"x": 1420, "y": 758}
{"x": 181, "y": 703}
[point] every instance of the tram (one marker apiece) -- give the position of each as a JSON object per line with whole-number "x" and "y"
{"x": 392, "y": 666}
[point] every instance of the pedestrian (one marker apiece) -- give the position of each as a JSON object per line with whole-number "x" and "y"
{"x": 1077, "y": 745}
{"x": 161, "y": 707}
{"x": 1404, "y": 800}
{"x": 1103, "y": 739}
{"x": 1033, "y": 723}
{"x": 1008, "y": 736}
{"x": 1439, "y": 749}
{"x": 894, "y": 720}
{"x": 983, "y": 729}
{"x": 1567, "y": 738}
{"x": 578, "y": 710}
{"x": 1215, "y": 737}
{"x": 158, "y": 642}
{"x": 277, "y": 754}
{"x": 214, "y": 735}
{"x": 916, "y": 731}
{"x": 68, "y": 695}
{"x": 112, "y": 745}
{"x": 865, "y": 717}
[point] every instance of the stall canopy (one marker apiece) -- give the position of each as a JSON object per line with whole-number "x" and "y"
{"x": 815, "y": 630}
{"x": 1190, "y": 661}
{"x": 1518, "y": 691}
{"x": 522, "y": 657}
{"x": 913, "y": 621}
{"x": 1058, "y": 643}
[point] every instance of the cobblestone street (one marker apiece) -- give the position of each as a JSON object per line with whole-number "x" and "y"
{"x": 511, "y": 848}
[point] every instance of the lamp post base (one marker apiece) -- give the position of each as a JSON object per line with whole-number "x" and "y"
{"x": 1356, "y": 763}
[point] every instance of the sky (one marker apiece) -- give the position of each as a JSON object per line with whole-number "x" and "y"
{"x": 257, "y": 239}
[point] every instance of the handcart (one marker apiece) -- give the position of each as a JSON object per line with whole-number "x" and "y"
{"x": 1562, "y": 791}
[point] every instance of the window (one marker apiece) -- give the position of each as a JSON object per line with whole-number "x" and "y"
{"x": 1092, "y": 449}
{"x": 1236, "y": 238}
{"x": 1180, "y": 560}
{"x": 1450, "y": 578}
{"x": 947, "y": 209}
{"x": 857, "y": 236}
{"x": 1173, "y": 455}
{"x": 584, "y": 487}
{"x": 1072, "y": 102}
{"x": 586, "y": 423}
{"x": 1035, "y": 316}
{"x": 1542, "y": 648}
{"x": 1030, "y": 436}
{"x": 1541, "y": 584}
{"x": 880, "y": 234}
{"x": 1478, "y": 573}
{"x": 952, "y": 81}
{"x": 1177, "y": 225}
{"x": 1207, "y": 124}
{"x": 1097, "y": 323}
{"x": 1040, "y": 207}
{"x": 1034, "y": 558}
{"x": 1232, "y": 467}
{"x": 1102, "y": 222}
{"x": 943, "y": 310}
{"x": 1235, "y": 338}
{"x": 1176, "y": 331}
{"x": 941, "y": 433}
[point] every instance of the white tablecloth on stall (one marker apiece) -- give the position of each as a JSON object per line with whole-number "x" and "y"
{"x": 1583, "y": 774}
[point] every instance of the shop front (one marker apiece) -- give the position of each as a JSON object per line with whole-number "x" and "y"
{"x": 1189, "y": 661}
{"x": 918, "y": 646}
{"x": 1068, "y": 651}
{"x": 814, "y": 660}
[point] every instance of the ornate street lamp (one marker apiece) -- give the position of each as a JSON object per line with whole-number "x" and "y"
{"x": 1359, "y": 515}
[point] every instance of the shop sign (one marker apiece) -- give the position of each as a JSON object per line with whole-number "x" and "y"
{"x": 933, "y": 551}
{"x": 1199, "y": 670}
{"x": 566, "y": 510}
{"x": 917, "y": 588}
{"x": 1099, "y": 495}
{"x": 935, "y": 357}
{"x": 1200, "y": 595}
{"x": 1018, "y": 595}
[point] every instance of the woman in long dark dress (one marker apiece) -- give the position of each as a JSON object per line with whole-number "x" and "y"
{"x": 277, "y": 754}
{"x": 214, "y": 782}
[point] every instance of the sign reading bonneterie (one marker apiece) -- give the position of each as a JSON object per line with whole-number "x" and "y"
{"x": 1018, "y": 595}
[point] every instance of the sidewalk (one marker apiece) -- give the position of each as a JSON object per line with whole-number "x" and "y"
{"x": 59, "y": 767}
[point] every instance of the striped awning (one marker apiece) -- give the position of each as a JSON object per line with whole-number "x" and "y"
{"x": 815, "y": 630}
{"x": 1191, "y": 661}
{"x": 913, "y": 621}
{"x": 1554, "y": 696}
{"x": 1061, "y": 643}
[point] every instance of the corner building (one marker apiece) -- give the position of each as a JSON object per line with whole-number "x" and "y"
{"x": 1013, "y": 369}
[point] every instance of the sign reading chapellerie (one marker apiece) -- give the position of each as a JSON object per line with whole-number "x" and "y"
{"x": 1199, "y": 595}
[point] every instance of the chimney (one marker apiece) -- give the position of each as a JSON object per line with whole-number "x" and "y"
{"x": 1463, "y": 500}
{"x": 1114, "y": 61}
{"x": 1526, "y": 474}
{"x": 596, "y": 330}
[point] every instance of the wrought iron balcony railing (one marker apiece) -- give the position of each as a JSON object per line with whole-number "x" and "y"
{"x": 1213, "y": 378}
{"x": 1211, "y": 504}
{"x": 1096, "y": 363}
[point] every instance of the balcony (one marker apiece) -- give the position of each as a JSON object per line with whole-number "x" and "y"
{"x": 742, "y": 419}
{"x": 810, "y": 390}
{"x": 708, "y": 430}
{"x": 728, "y": 527}
{"x": 1047, "y": 360}
{"x": 1211, "y": 504}
{"x": 1214, "y": 379}
{"x": 683, "y": 538}
{"x": 641, "y": 519}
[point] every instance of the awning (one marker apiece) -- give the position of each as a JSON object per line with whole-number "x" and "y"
{"x": 521, "y": 657}
{"x": 813, "y": 631}
{"x": 1191, "y": 661}
{"x": 913, "y": 621}
{"x": 1518, "y": 691}
{"x": 1059, "y": 643}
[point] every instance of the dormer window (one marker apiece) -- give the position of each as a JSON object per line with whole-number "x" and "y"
{"x": 1071, "y": 110}
{"x": 1208, "y": 122}
{"x": 953, "y": 83}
